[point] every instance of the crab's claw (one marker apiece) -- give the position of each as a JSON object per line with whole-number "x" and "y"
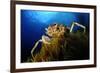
{"x": 46, "y": 39}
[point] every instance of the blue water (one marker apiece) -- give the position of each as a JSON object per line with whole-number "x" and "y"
{"x": 33, "y": 24}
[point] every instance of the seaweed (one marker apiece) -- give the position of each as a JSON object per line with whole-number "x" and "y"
{"x": 66, "y": 46}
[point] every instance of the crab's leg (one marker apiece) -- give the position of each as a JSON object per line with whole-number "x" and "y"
{"x": 75, "y": 23}
{"x": 36, "y": 44}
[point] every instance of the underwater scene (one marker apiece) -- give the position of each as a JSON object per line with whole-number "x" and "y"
{"x": 54, "y": 36}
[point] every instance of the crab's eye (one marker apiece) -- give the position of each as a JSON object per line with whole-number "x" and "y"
{"x": 57, "y": 28}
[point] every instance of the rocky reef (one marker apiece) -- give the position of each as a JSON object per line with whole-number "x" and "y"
{"x": 63, "y": 45}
